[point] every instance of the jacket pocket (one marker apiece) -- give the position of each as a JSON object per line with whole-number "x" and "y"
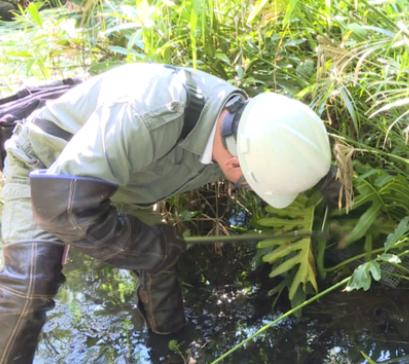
{"x": 20, "y": 152}
{"x": 163, "y": 114}
{"x": 17, "y": 223}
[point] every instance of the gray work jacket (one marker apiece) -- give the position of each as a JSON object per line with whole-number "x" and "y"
{"x": 126, "y": 125}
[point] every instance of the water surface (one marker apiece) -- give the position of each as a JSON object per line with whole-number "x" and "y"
{"x": 93, "y": 321}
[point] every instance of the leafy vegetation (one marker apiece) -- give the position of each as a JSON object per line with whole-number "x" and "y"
{"x": 292, "y": 254}
{"x": 348, "y": 60}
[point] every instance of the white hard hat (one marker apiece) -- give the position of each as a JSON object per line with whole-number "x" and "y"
{"x": 282, "y": 146}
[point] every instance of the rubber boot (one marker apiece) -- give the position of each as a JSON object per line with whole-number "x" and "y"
{"x": 28, "y": 282}
{"x": 160, "y": 301}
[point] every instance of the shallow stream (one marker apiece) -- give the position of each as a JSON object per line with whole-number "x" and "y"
{"x": 93, "y": 320}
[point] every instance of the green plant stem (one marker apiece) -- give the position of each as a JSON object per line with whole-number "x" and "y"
{"x": 283, "y": 316}
{"x": 356, "y": 257}
{"x": 349, "y": 260}
{"x": 244, "y": 237}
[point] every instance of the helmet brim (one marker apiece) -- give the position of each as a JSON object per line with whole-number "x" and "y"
{"x": 279, "y": 201}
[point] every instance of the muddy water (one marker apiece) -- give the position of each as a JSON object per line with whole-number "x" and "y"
{"x": 93, "y": 320}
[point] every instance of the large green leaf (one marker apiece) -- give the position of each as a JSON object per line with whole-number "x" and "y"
{"x": 292, "y": 256}
{"x": 303, "y": 260}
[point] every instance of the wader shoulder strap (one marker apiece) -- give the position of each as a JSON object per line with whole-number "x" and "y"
{"x": 195, "y": 102}
{"x": 194, "y": 105}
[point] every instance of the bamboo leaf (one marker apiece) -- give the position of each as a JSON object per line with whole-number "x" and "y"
{"x": 32, "y": 9}
{"x": 120, "y": 28}
{"x": 366, "y": 220}
{"x": 259, "y": 5}
{"x": 387, "y": 107}
{"x": 291, "y": 7}
{"x": 401, "y": 230}
{"x": 20, "y": 53}
{"x": 346, "y": 97}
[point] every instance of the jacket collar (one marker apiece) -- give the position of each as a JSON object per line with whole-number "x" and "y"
{"x": 195, "y": 142}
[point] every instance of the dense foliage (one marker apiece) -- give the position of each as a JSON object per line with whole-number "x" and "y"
{"x": 348, "y": 60}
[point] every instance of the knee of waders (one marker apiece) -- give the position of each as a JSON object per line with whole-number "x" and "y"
{"x": 32, "y": 268}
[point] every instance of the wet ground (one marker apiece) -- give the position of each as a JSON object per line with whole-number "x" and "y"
{"x": 93, "y": 321}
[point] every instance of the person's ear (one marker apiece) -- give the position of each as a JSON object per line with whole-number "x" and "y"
{"x": 231, "y": 169}
{"x": 232, "y": 163}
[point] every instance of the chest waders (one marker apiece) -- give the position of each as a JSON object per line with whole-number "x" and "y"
{"x": 77, "y": 211}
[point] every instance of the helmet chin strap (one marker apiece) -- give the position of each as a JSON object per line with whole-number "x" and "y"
{"x": 234, "y": 108}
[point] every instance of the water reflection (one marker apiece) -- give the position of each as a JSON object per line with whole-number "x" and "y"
{"x": 93, "y": 321}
